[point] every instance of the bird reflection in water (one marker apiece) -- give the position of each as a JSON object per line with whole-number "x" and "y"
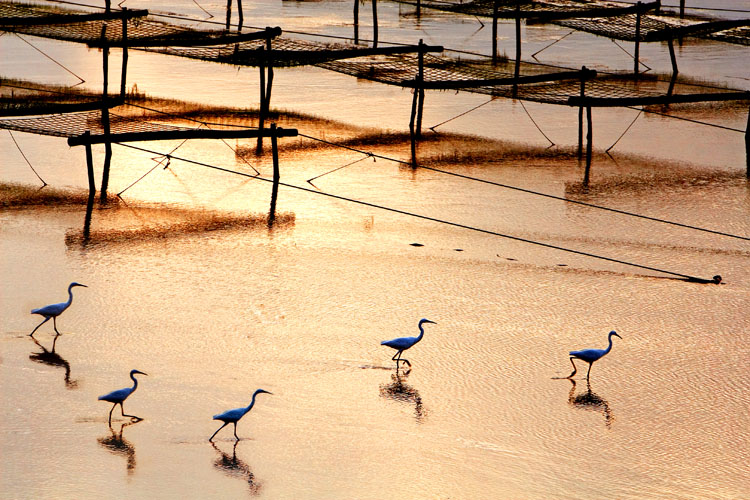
{"x": 397, "y": 390}
{"x": 120, "y": 446}
{"x": 589, "y": 400}
{"x": 234, "y": 467}
{"x": 53, "y": 359}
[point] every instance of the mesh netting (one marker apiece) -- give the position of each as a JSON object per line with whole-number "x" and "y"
{"x": 624, "y": 27}
{"x": 506, "y": 9}
{"x": 739, "y": 35}
{"x": 402, "y": 70}
{"x": 75, "y": 124}
{"x": 612, "y": 25}
{"x": 285, "y": 51}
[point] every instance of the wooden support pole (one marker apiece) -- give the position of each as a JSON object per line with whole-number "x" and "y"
{"x": 672, "y": 82}
{"x": 90, "y": 166}
{"x": 494, "y": 31}
{"x": 419, "y": 8}
{"x": 517, "y": 72}
{"x": 580, "y": 113}
{"x": 412, "y": 134}
{"x": 374, "y": 23}
{"x": 229, "y": 13}
{"x": 682, "y": 9}
{"x": 262, "y": 105}
{"x": 672, "y": 56}
{"x": 269, "y": 71}
{"x": 124, "y": 74}
{"x": 356, "y": 22}
{"x": 266, "y": 84}
{"x": 415, "y": 121}
{"x": 276, "y": 175}
{"x": 105, "y": 119}
{"x": 240, "y": 15}
{"x": 420, "y": 89}
{"x": 636, "y": 55}
{"x": 87, "y": 219}
{"x": 589, "y": 146}
{"x": 747, "y": 146}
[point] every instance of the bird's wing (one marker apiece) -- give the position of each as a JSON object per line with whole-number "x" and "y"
{"x": 399, "y": 343}
{"x": 117, "y": 396}
{"x": 50, "y": 309}
{"x": 234, "y": 414}
{"x": 588, "y": 354}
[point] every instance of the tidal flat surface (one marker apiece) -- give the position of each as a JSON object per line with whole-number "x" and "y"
{"x": 187, "y": 283}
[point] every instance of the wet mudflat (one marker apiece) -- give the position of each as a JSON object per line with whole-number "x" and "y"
{"x": 187, "y": 283}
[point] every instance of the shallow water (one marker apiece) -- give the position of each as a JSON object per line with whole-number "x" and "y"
{"x": 213, "y": 307}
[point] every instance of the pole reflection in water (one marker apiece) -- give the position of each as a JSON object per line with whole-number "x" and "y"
{"x": 234, "y": 467}
{"x": 589, "y": 400}
{"x": 120, "y": 446}
{"x": 53, "y": 359}
{"x": 397, "y": 390}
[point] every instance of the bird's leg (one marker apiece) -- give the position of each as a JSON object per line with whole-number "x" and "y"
{"x": 122, "y": 410}
{"x": 37, "y": 327}
{"x": 397, "y": 357}
{"x": 54, "y": 324}
{"x": 217, "y": 431}
{"x": 235, "y": 431}
{"x": 110, "y": 414}
{"x": 574, "y": 368}
{"x": 589, "y": 372}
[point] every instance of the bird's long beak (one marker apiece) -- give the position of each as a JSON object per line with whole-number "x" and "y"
{"x": 142, "y": 373}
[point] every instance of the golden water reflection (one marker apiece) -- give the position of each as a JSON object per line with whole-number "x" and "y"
{"x": 589, "y": 400}
{"x": 118, "y": 445}
{"x": 399, "y": 391}
{"x": 51, "y": 358}
{"x": 234, "y": 467}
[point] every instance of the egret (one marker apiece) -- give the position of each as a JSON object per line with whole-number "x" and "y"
{"x": 233, "y": 416}
{"x": 119, "y": 396}
{"x": 54, "y": 310}
{"x": 403, "y": 343}
{"x": 591, "y": 355}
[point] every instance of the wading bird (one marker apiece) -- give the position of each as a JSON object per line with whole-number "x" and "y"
{"x": 233, "y": 416}
{"x": 117, "y": 397}
{"x": 591, "y": 355}
{"x": 403, "y": 343}
{"x": 54, "y": 310}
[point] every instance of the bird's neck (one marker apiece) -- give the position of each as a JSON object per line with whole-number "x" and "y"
{"x": 421, "y": 333}
{"x": 70, "y": 294}
{"x": 609, "y": 347}
{"x": 252, "y": 402}
{"x": 135, "y": 381}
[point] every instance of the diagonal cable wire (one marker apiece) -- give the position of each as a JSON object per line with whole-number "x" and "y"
{"x": 538, "y": 193}
{"x": 24, "y": 157}
{"x": 625, "y": 132}
{"x": 536, "y": 125}
{"x": 686, "y": 277}
{"x": 51, "y": 59}
{"x": 370, "y": 155}
{"x": 550, "y": 45}
{"x": 204, "y": 10}
{"x": 631, "y": 55}
{"x": 723, "y": 127}
{"x": 461, "y": 114}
